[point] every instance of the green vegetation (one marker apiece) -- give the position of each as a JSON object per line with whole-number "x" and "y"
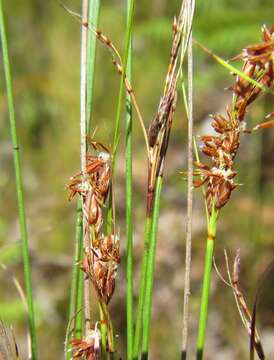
{"x": 146, "y": 308}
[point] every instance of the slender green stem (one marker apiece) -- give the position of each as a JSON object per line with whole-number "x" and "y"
{"x": 233, "y": 69}
{"x": 142, "y": 290}
{"x": 74, "y": 283}
{"x": 19, "y": 187}
{"x": 110, "y": 214}
{"x": 129, "y": 231}
{"x": 108, "y": 345}
{"x": 212, "y": 225}
{"x": 121, "y": 89}
{"x": 104, "y": 330}
{"x": 111, "y": 344}
{"x": 80, "y": 281}
{"x": 151, "y": 269}
{"x": 93, "y": 18}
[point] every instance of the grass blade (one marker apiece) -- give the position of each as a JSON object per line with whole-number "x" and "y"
{"x": 233, "y": 69}
{"x": 19, "y": 187}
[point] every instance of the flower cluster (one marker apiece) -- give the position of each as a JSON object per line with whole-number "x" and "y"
{"x": 100, "y": 265}
{"x": 222, "y": 148}
{"x": 93, "y": 186}
{"x": 89, "y": 347}
{"x": 101, "y": 255}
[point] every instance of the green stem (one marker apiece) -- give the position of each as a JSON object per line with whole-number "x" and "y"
{"x": 111, "y": 343}
{"x": 121, "y": 89}
{"x": 80, "y": 285}
{"x": 108, "y": 345}
{"x": 19, "y": 188}
{"x": 142, "y": 290}
{"x": 104, "y": 329}
{"x": 129, "y": 231}
{"x": 212, "y": 225}
{"x": 75, "y": 285}
{"x": 93, "y": 18}
{"x": 110, "y": 214}
{"x": 151, "y": 269}
{"x": 233, "y": 69}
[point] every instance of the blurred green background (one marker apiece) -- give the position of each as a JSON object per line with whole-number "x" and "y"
{"x": 44, "y": 50}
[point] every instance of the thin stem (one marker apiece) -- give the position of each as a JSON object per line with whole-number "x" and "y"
{"x": 83, "y": 133}
{"x": 189, "y": 195}
{"x": 233, "y": 69}
{"x": 75, "y": 309}
{"x": 110, "y": 214}
{"x": 74, "y": 282}
{"x": 151, "y": 269}
{"x": 142, "y": 290}
{"x": 80, "y": 280}
{"x": 111, "y": 344}
{"x": 212, "y": 225}
{"x": 94, "y": 12}
{"x": 121, "y": 89}
{"x": 129, "y": 231}
{"x": 104, "y": 329}
{"x": 19, "y": 188}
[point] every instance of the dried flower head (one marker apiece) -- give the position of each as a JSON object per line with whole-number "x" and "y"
{"x": 222, "y": 148}
{"x": 93, "y": 185}
{"x": 89, "y": 347}
{"x": 100, "y": 265}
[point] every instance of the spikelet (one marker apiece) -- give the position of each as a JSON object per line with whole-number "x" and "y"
{"x": 222, "y": 148}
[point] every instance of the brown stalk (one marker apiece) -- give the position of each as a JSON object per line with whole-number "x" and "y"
{"x": 247, "y": 318}
{"x": 159, "y": 129}
{"x": 8, "y": 345}
{"x": 190, "y": 7}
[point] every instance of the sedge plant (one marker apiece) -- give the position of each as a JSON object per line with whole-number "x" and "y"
{"x": 255, "y": 76}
